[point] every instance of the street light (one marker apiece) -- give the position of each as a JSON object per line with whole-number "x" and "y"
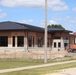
{"x": 45, "y": 50}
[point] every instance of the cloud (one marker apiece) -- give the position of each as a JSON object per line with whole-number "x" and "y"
{"x": 74, "y": 9}
{"x": 32, "y": 22}
{"x": 65, "y": 19}
{"x": 26, "y": 21}
{"x": 55, "y": 5}
{"x": 37, "y": 23}
{"x": 73, "y": 20}
{"x": 58, "y": 5}
{"x": 52, "y": 22}
{"x": 68, "y": 22}
{"x": 59, "y": 18}
{"x": 42, "y": 23}
{"x": 2, "y": 14}
{"x": 0, "y": 10}
{"x": 71, "y": 27}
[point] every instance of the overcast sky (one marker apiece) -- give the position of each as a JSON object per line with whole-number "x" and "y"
{"x": 32, "y": 12}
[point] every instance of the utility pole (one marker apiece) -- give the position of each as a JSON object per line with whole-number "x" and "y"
{"x": 45, "y": 50}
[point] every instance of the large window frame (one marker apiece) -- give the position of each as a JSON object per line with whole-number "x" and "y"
{"x": 65, "y": 45}
{"x": 40, "y": 41}
{"x": 49, "y": 42}
{"x": 59, "y": 44}
{"x": 30, "y": 41}
{"x": 55, "y": 44}
{"x": 20, "y": 41}
{"x": 13, "y": 41}
{"x": 3, "y": 41}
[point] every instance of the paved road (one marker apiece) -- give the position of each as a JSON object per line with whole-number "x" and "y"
{"x": 31, "y": 67}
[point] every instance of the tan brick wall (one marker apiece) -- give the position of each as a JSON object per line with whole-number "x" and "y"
{"x": 49, "y": 36}
{"x": 71, "y": 39}
{"x": 30, "y": 33}
{"x": 35, "y": 35}
{"x": 14, "y": 33}
{"x": 63, "y": 34}
{"x": 17, "y": 33}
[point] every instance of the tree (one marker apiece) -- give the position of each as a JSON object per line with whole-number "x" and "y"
{"x": 56, "y": 26}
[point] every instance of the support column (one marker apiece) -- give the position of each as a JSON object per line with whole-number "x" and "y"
{"x": 49, "y": 42}
{"x": 62, "y": 43}
{"x": 15, "y": 41}
{"x": 9, "y": 41}
{"x": 26, "y": 41}
{"x": 32, "y": 42}
{"x": 35, "y": 40}
{"x": 43, "y": 40}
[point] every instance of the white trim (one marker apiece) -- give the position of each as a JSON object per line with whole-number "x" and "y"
{"x": 9, "y": 45}
{"x": 35, "y": 45}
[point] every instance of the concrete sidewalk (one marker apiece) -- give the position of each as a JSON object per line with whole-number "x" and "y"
{"x": 71, "y": 71}
{"x": 31, "y": 67}
{"x": 55, "y": 74}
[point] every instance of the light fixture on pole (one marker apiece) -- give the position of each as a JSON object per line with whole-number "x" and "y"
{"x": 45, "y": 50}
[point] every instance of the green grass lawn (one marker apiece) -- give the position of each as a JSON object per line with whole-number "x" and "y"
{"x": 42, "y": 71}
{"x": 14, "y": 63}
